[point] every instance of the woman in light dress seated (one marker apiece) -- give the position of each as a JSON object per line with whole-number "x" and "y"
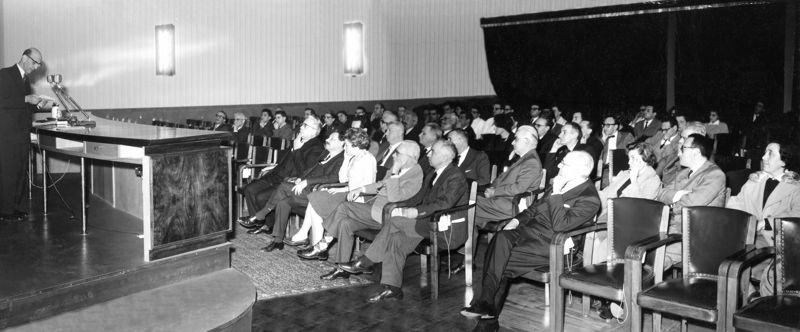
{"x": 358, "y": 170}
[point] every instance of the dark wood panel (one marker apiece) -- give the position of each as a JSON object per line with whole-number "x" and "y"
{"x": 190, "y": 195}
{"x": 175, "y": 248}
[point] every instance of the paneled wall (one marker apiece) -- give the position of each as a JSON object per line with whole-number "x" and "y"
{"x": 259, "y": 51}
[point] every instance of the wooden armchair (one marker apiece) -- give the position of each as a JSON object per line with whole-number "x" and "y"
{"x": 710, "y": 235}
{"x": 432, "y": 244}
{"x": 779, "y": 311}
{"x": 630, "y": 220}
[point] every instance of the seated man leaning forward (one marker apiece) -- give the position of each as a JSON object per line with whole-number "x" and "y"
{"x": 443, "y": 188}
{"x": 524, "y": 243}
{"x": 401, "y": 182}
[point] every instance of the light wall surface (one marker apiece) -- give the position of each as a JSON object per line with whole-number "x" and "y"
{"x": 259, "y": 51}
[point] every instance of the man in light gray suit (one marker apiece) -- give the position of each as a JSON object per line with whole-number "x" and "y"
{"x": 701, "y": 183}
{"x": 524, "y": 175}
{"x": 401, "y": 182}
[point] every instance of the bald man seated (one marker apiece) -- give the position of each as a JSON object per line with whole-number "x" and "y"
{"x": 524, "y": 243}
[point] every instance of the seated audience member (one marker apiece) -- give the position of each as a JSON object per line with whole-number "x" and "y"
{"x": 534, "y": 114}
{"x": 360, "y": 111}
{"x": 577, "y": 117}
{"x": 401, "y": 112}
{"x": 264, "y": 126}
{"x": 221, "y": 122}
{"x": 280, "y": 128}
{"x": 558, "y": 120}
{"x": 400, "y": 184}
{"x": 478, "y": 122}
{"x": 715, "y": 126}
{"x": 240, "y": 130}
{"x": 546, "y": 138}
{"x": 380, "y": 144}
{"x": 330, "y": 125}
{"x": 309, "y": 112}
{"x": 523, "y": 175}
{"x": 768, "y": 194}
{"x": 413, "y": 128}
{"x": 357, "y": 170}
{"x": 499, "y": 147}
{"x": 474, "y": 163}
{"x": 375, "y": 122}
{"x": 640, "y": 181}
{"x": 306, "y": 150}
{"x": 612, "y": 139}
{"x": 293, "y": 193}
{"x": 648, "y": 126}
{"x": 449, "y": 122}
{"x": 343, "y": 119}
{"x": 568, "y": 141}
{"x": 431, "y": 133}
{"x": 667, "y": 145}
{"x": 590, "y": 139}
{"x": 701, "y": 183}
{"x": 524, "y": 243}
{"x": 681, "y": 121}
{"x": 394, "y": 136}
{"x": 444, "y": 188}
{"x": 463, "y": 123}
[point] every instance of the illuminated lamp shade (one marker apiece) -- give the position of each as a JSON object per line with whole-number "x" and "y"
{"x": 165, "y": 50}
{"x": 353, "y": 48}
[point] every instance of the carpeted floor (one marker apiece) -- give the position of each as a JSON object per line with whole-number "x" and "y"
{"x": 281, "y": 273}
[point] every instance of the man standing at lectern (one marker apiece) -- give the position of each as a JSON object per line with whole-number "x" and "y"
{"x": 16, "y": 105}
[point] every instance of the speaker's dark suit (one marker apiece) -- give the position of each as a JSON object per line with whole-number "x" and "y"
{"x": 513, "y": 253}
{"x": 293, "y": 164}
{"x": 283, "y": 201}
{"x": 399, "y": 235}
{"x": 476, "y": 166}
{"x": 15, "y": 139}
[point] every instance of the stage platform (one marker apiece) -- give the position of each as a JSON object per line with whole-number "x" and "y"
{"x": 49, "y": 268}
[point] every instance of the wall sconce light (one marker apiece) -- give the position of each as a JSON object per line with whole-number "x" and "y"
{"x": 165, "y": 50}
{"x": 353, "y": 48}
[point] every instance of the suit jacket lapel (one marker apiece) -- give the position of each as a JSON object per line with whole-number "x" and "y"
{"x": 781, "y": 191}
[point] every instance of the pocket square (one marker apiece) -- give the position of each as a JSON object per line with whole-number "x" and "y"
{"x": 567, "y": 206}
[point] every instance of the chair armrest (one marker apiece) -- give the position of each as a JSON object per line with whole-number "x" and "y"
{"x": 389, "y": 207}
{"x": 744, "y": 259}
{"x": 329, "y": 186}
{"x": 269, "y": 166}
{"x": 438, "y": 213}
{"x": 561, "y": 237}
{"x": 367, "y": 195}
{"x": 636, "y": 250}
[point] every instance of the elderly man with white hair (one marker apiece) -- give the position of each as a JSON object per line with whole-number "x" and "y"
{"x": 524, "y": 243}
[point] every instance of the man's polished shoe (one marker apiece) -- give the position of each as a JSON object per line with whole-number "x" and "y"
{"x": 356, "y": 267}
{"x": 291, "y": 243}
{"x": 265, "y": 229}
{"x": 250, "y": 222}
{"x": 274, "y": 245}
{"x": 388, "y": 293}
{"x": 478, "y": 310}
{"x": 314, "y": 254}
{"x": 336, "y": 273}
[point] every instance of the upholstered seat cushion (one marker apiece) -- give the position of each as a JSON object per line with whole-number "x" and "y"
{"x": 604, "y": 279}
{"x": 771, "y": 313}
{"x": 694, "y": 298}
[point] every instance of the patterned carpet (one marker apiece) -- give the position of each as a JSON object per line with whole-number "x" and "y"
{"x": 281, "y": 273}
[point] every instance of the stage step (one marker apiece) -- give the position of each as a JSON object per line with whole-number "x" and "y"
{"x": 44, "y": 303}
{"x": 220, "y": 301}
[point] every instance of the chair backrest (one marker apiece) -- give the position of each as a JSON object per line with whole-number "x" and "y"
{"x": 787, "y": 266}
{"x": 258, "y": 140}
{"x": 631, "y": 220}
{"x": 241, "y": 151}
{"x": 278, "y": 155}
{"x": 277, "y": 143}
{"x": 261, "y": 154}
{"x": 736, "y": 179}
{"x": 711, "y": 234}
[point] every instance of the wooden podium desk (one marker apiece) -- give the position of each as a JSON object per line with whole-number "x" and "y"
{"x": 178, "y": 181}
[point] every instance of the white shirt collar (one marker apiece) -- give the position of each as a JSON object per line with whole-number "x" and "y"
{"x": 714, "y": 123}
{"x": 462, "y": 156}
{"x": 21, "y": 72}
{"x": 438, "y": 174}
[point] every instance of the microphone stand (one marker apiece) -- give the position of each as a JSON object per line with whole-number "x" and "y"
{"x": 67, "y": 101}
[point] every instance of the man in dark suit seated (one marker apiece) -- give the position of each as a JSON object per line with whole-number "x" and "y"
{"x": 306, "y": 151}
{"x": 413, "y": 128}
{"x": 444, "y": 188}
{"x": 546, "y": 138}
{"x": 430, "y": 133}
{"x": 293, "y": 192}
{"x": 240, "y": 130}
{"x": 612, "y": 139}
{"x": 523, "y": 244}
{"x": 568, "y": 141}
{"x": 400, "y": 183}
{"x": 648, "y": 126}
{"x": 221, "y": 122}
{"x": 523, "y": 175}
{"x": 474, "y": 163}
{"x": 393, "y": 138}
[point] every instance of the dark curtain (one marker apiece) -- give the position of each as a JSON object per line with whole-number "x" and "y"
{"x": 612, "y": 63}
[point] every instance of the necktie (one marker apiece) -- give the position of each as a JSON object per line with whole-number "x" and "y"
{"x": 385, "y": 156}
{"x": 457, "y": 160}
{"x": 561, "y": 152}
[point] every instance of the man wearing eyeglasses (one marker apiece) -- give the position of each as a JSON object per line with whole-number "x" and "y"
{"x": 612, "y": 139}
{"x": 701, "y": 183}
{"x": 221, "y": 122}
{"x": 16, "y": 104}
